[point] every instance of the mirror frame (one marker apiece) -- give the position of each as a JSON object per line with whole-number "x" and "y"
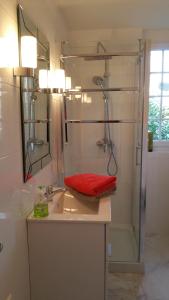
{"x": 35, "y": 166}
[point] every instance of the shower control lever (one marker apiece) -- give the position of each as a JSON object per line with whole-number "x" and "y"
{"x": 102, "y": 144}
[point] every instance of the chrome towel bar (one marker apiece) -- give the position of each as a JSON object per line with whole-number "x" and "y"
{"x": 95, "y": 56}
{"x": 88, "y": 90}
{"x": 100, "y": 121}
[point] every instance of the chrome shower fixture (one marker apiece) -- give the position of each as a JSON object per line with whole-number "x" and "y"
{"x": 98, "y": 80}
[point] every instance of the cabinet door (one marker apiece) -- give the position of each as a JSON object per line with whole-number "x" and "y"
{"x": 67, "y": 261}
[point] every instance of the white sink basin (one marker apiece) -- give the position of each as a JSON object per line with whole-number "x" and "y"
{"x": 69, "y": 204}
{"x": 67, "y": 207}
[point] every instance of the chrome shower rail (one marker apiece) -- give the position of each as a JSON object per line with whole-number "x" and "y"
{"x": 120, "y": 89}
{"x": 88, "y": 90}
{"x": 100, "y": 121}
{"x": 95, "y": 56}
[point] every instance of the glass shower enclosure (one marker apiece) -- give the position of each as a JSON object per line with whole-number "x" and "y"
{"x": 103, "y": 129}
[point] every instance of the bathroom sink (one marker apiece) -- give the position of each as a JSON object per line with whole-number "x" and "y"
{"x": 74, "y": 229}
{"x": 66, "y": 206}
{"x": 69, "y": 204}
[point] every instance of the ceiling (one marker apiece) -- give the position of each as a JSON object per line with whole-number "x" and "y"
{"x": 96, "y": 14}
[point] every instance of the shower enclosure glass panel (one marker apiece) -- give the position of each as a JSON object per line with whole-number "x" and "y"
{"x": 85, "y": 149}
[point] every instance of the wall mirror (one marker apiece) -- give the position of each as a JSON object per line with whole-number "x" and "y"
{"x": 35, "y": 107}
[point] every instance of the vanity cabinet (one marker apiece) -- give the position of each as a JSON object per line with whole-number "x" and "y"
{"x": 67, "y": 260}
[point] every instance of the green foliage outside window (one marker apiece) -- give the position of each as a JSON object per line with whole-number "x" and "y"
{"x": 160, "y": 131}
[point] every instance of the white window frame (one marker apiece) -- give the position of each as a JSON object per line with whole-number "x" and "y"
{"x": 160, "y": 144}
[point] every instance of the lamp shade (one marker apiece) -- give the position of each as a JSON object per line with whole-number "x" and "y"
{"x": 60, "y": 79}
{"x": 43, "y": 79}
{"x": 68, "y": 83}
{"x": 52, "y": 79}
{"x": 29, "y": 52}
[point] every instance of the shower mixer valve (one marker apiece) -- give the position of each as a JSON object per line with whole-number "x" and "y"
{"x": 104, "y": 143}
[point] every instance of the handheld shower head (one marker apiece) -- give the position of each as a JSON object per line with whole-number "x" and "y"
{"x": 98, "y": 80}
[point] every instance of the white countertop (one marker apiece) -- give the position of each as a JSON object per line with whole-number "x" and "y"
{"x": 102, "y": 216}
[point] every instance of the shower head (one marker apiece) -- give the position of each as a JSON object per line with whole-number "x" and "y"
{"x": 98, "y": 80}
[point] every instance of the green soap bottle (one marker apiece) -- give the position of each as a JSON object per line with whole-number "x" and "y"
{"x": 150, "y": 141}
{"x": 41, "y": 204}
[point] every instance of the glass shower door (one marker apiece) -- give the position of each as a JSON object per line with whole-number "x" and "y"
{"x": 84, "y": 152}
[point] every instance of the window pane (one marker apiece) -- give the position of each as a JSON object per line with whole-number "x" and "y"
{"x": 156, "y": 61}
{"x": 154, "y": 108}
{"x": 165, "y": 84}
{"x": 165, "y": 108}
{"x": 153, "y": 125}
{"x": 166, "y": 61}
{"x": 165, "y": 130}
{"x": 155, "y": 84}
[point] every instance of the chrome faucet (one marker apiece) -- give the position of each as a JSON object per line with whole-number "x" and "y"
{"x": 52, "y": 190}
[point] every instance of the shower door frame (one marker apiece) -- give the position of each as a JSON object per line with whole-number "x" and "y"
{"x": 143, "y": 92}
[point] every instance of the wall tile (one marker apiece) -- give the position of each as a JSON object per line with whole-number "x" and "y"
{"x": 17, "y": 198}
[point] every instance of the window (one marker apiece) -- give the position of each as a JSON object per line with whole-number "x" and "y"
{"x": 159, "y": 94}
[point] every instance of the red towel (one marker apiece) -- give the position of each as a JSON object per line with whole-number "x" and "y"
{"x": 91, "y": 184}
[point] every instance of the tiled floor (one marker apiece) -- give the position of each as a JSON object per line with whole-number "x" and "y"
{"x": 154, "y": 284}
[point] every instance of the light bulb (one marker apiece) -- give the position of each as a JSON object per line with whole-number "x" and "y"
{"x": 29, "y": 52}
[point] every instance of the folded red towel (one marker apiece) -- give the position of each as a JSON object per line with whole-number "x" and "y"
{"x": 91, "y": 184}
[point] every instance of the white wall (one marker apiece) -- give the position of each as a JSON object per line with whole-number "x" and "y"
{"x": 16, "y": 198}
{"x": 115, "y": 14}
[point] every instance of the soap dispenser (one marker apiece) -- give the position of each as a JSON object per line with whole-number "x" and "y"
{"x": 41, "y": 204}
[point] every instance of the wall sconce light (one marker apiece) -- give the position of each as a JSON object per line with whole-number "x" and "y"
{"x": 59, "y": 81}
{"x": 43, "y": 79}
{"x": 52, "y": 81}
{"x": 29, "y": 52}
{"x": 28, "y": 57}
{"x": 68, "y": 83}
